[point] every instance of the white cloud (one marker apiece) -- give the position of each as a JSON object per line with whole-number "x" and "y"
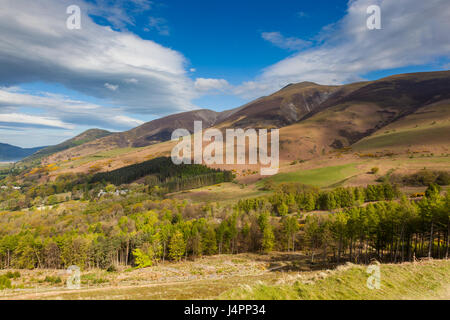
{"x": 35, "y": 45}
{"x": 60, "y": 109}
{"x": 414, "y": 32}
{"x": 291, "y": 43}
{"x": 120, "y": 13}
{"x": 204, "y": 85}
{"x": 131, "y": 80}
{"x": 18, "y": 119}
{"x": 111, "y": 87}
{"x": 127, "y": 121}
{"x": 158, "y": 24}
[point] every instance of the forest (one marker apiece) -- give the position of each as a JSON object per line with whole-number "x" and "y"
{"x": 140, "y": 228}
{"x": 163, "y": 172}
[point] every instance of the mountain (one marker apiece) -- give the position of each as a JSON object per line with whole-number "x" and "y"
{"x": 85, "y": 137}
{"x": 282, "y": 108}
{"x": 356, "y": 112}
{"x": 398, "y": 113}
{"x": 13, "y": 153}
{"x": 149, "y": 133}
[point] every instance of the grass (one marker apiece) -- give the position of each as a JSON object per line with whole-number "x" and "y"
{"x": 279, "y": 275}
{"x": 98, "y": 156}
{"x": 405, "y": 138}
{"x": 425, "y": 280}
{"x": 321, "y": 177}
{"x": 224, "y": 192}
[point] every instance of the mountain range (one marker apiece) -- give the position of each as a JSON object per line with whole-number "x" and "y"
{"x": 403, "y": 112}
{"x": 13, "y": 153}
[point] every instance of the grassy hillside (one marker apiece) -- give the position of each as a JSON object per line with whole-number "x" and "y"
{"x": 406, "y": 115}
{"x": 314, "y": 119}
{"x": 147, "y": 134}
{"x": 321, "y": 177}
{"x": 426, "y": 129}
{"x": 249, "y": 276}
{"x": 81, "y": 139}
{"x": 424, "y": 280}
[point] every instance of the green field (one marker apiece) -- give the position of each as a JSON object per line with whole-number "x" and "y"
{"x": 423, "y": 135}
{"x": 321, "y": 177}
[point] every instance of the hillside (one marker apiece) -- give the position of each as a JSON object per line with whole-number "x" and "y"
{"x": 243, "y": 276}
{"x": 352, "y": 114}
{"x": 81, "y": 139}
{"x": 13, "y": 153}
{"x": 424, "y": 280}
{"x": 149, "y": 133}
{"x": 402, "y": 114}
{"x": 282, "y": 108}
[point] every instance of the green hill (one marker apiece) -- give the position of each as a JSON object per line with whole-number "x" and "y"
{"x": 83, "y": 138}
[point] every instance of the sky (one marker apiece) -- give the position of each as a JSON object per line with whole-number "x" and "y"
{"x": 134, "y": 61}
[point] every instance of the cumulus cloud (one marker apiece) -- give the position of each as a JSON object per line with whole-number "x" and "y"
{"x": 414, "y": 32}
{"x": 35, "y": 45}
{"x": 206, "y": 85}
{"x": 291, "y": 43}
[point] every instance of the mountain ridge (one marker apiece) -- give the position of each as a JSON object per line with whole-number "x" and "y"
{"x": 9, "y": 152}
{"x": 313, "y": 118}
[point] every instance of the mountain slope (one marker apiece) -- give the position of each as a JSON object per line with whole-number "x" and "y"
{"x": 81, "y": 139}
{"x": 313, "y": 120}
{"x": 282, "y": 108}
{"x": 149, "y": 133}
{"x": 13, "y": 153}
{"x": 357, "y": 111}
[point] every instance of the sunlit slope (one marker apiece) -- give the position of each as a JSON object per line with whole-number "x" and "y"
{"x": 426, "y": 129}
{"x": 83, "y": 138}
{"x": 403, "y": 113}
{"x": 424, "y": 280}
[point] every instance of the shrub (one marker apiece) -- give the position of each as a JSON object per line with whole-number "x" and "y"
{"x": 374, "y": 170}
{"x": 51, "y": 279}
{"x": 12, "y": 275}
{"x": 5, "y": 282}
{"x": 443, "y": 178}
{"x": 111, "y": 268}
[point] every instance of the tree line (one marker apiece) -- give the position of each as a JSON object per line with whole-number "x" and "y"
{"x": 139, "y": 230}
{"x": 293, "y": 197}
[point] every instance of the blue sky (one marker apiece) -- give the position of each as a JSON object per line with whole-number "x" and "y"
{"x": 223, "y": 39}
{"x": 133, "y": 61}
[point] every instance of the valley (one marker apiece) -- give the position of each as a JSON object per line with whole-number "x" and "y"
{"x": 363, "y": 175}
